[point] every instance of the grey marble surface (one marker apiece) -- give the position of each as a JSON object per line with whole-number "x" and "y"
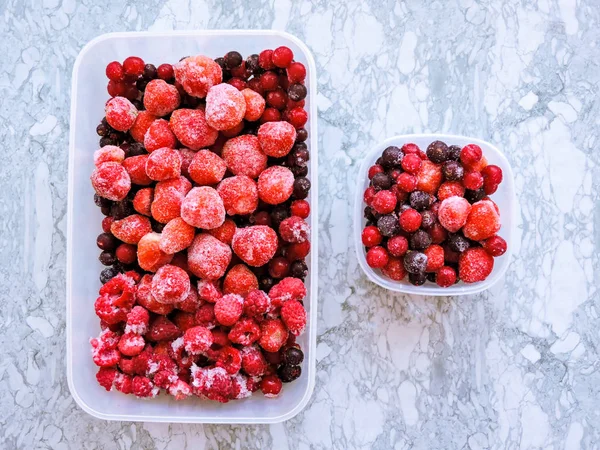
{"x": 515, "y": 367}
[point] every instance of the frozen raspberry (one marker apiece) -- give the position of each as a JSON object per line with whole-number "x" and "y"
{"x": 197, "y": 340}
{"x": 435, "y": 257}
{"x": 163, "y": 164}
{"x": 293, "y": 315}
{"x": 225, "y": 232}
{"x": 450, "y": 189}
{"x": 208, "y": 257}
{"x": 239, "y": 194}
{"x": 394, "y": 269}
{"x": 203, "y": 208}
{"x": 240, "y": 387}
{"x": 137, "y": 320}
{"x": 230, "y": 360}
{"x": 164, "y": 378}
{"x": 136, "y": 168}
{"x": 207, "y": 168}
{"x": 397, "y": 245}
{"x": 177, "y": 235}
{"x": 275, "y": 185}
{"x": 445, "y": 276}
{"x": 495, "y": 246}
{"x": 143, "y": 296}
{"x": 472, "y": 180}
{"x": 142, "y": 122}
{"x": 410, "y": 220}
{"x": 197, "y": 74}
{"x": 429, "y": 177}
{"x": 239, "y": 280}
{"x": 300, "y": 208}
{"x": 108, "y": 153}
{"x": 475, "y": 264}
{"x": 483, "y": 221}
{"x": 168, "y": 197}
{"x": 297, "y": 250}
{"x": 170, "y": 284}
{"x": 111, "y": 181}
{"x": 159, "y": 135}
{"x": 205, "y": 316}
{"x": 273, "y": 335}
{"x": 104, "y": 349}
{"x": 150, "y": 256}
{"x": 377, "y": 257}
{"x": 256, "y": 303}
{"x": 131, "y": 344}
{"x": 191, "y": 129}
{"x": 143, "y": 387}
{"x": 243, "y": 156}
{"x": 255, "y": 105}
{"x": 470, "y": 154}
{"x": 180, "y": 390}
{"x": 161, "y": 98}
{"x": 255, "y": 245}
{"x": 276, "y": 138}
{"x": 112, "y": 308}
{"x": 453, "y": 213}
{"x": 123, "y": 383}
{"x": 271, "y": 386}
{"x": 245, "y": 332}
{"x": 384, "y": 202}
{"x": 287, "y": 289}
{"x": 131, "y": 229}
{"x": 228, "y": 309}
{"x": 120, "y": 113}
{"x": 225, "y": 107}
{"x": 294, "y": 229}
{"x": 139, "y": 364}
{"x": 143, "y": 200}
{"x": 162, "y": 329}
{"x": 213, "y": 383}
{"x": 106, "y": 377}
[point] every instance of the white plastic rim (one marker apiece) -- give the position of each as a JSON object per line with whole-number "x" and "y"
{"x": 88, "y": 95}
{"x": 504, "y": 197}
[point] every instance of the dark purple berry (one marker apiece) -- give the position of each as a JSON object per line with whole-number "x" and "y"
{"x": 420, "y": 240}
{"x": 428, "y": 219}
{"x": 107, "y": 241}
{"x": 453, "y": 171}
{"x": 299, "y": 269}
{"x": 232, "y": 60}
{"x": 252, "y": 64}
{"x": 301, "y": 135}
{"x": 388, "y": 225}
{"x": 454, "y": 152}
{"x": 293, "y": 356}
{"x": 297, "y": 92}
{"x": 289, "y": 373}
{"x": 107, "y": 258}
{"x": 301, "y": 188}
{"x": 266, "y": 283}
{"x": 149, "y": 72}
{"x": 108, "y": 274}
{"x": 437, "y": 152}
{"x": 420, "y": 200}
{"x": 431, "y": 276}
{"x": 415, "y": 262}
{"x": 458, "y": 243}
{"x": 102, "y": 130}
{"x": 474, "y": 196}
{"x": 417, "y": 279}
{"x": 381, "y": 181}
{"x": 392, "y": 157}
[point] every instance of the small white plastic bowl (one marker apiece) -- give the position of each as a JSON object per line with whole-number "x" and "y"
{"x": 88, "y": 95}
{"x": 504, "y": 197}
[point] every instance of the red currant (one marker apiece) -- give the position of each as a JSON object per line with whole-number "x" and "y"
{"x": 445, "y": 276}
{"x": 371, "y": 236}
{"x": 411, "y": 163}
{"x": 282, "y": 56}
{"x": 375, "y": 169}
{"x": 495, "y": 246}
{"x": 397, "y": 245}
{"x": 114, "y": 71}
{"x": 410, "y": 220}
{"x": 277, "y": 98}
{"x": 300, "y": 208}
{"x": 377, "y": 257}
{"x": 165, "y": 72}
{"x": 116, "y": 88}
{"x": 269, "y": 81}
{"x": 298, "y": 117}
{"x": 270, "y": 115}
{"x": 407, "y": 182}
{"x": 410, "y": 148}
{"x": 255, "y": 85}
{"x": 472, "y": 180}
{"x": 470, "y": 154}
{"x": 369, "y": 195}
{"x": 492, "y": 173}
{"x": 279, "y": 267}
{"x": 271, "y": 385}
{"x": 126, "y": 253}
{"x": 133, "y": 66}
{"x": 296, "y": 72}
{"x": 265, "y": 60}
{"x": 238, "y": 83}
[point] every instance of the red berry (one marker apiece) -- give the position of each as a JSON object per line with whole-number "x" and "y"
{"x": 384, "y": 202}
{"x": 114, "y": 71}
{"x": 293, "y": 315}
{"x": 271, "y": 386}
{"x": 239, "y": 280}
{"x": 445, "y": 276}
{"x": 394, "y": 269}
{"x": 375, "y": 169}
{"x": 296, "y": 72}
{"x": 492, "y": 173}
{"x": 470, "y": 154}
{"x": 245, "y": 332}
{"x": 255, "y": 245}
{"x": 197, "y": 340}
{"x": 407, "y": 182}
{"x": 371, "y": 236}
{"x": 238, "y": 83}
{"x": 410, "y": 220}
{"x": 270, "y": 115}
{"x": 395, "y": 174}
{"x": 279, "y": 267}
{"x": 377, "y": 257}
{"x": 116, "y": 88}
{"x": 450, "y": 189}
{"x": 495, "y": 246}
{"x": 106, "y": 223}
{"x": 228, "y": 309}
{"x": 165, "y": 72}
{"x": 133, "y": 66}
{"x": 230, "y": 359}
{"x": 277, "y": 98}
{"x": 297, "y": 117}
{"x": 489, "y": 187}
{"x": 256, "y": 303}
{"x": 472, "y": 180}
{"x": 265, "y": 60}
{"x": 273, "y": 335}
{"x": 435, "y": 257}
{"x": 397, "y": 246}
{"x": 126, "y": 253}
{"x": 411, "y": 163}
{"x": 300, "y": 208}
{"x": 282, "y": 57}
{"x": 369, "y": 195}
{"x": 239, "y": 71}
{"x": 410, "y": 148}
{"x": 269, "y": 81}
{"x": 438, "y": 233}
{"x": 475, "y": 264}
{"x": 298, "y": 250}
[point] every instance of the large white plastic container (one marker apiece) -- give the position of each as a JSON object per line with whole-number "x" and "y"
{"x": 504, "y": 198}
{"x": 87, "y": 108}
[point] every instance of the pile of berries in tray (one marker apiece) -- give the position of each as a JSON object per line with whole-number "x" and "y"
{"x": 201, "y": 175}
{"x": 429, "y": 214}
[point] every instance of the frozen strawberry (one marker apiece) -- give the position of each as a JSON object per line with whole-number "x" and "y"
{"x": 137, "y": 321}
{"x": 120, "y": 113}
{"x": 205, "y": 316}
{"x": 161, "y": 98}
{"x": 255, "y": 245}
{"x": 168, "y": 197}
{"x": 429, "y": 177}
{"x": 180, "y": 260}
{"x": 108, "y": 153}
{"x": 180, "y": 390}
{"x": 197, "y": 340}
{"x": 142, "y": 122}
{"x": 131, "y": 344}
{"x": 273, "y": 335}
{"x": 131, "y": 229}
{"x": 225, "y": 232}
{"x": 239, "y": 194}
{"x": 203, "y": 208}
{"x": 453, "y": 213}
{"x": 191, "y": 129}
{"x": 435, "y": 257}
{"x": 144, "y": 297}
{"x": 162, "y": 329}
{"x": 255, "y": 105}
{"x": 394, "y": 269}
{"x": 475, "y": 264}
{"x": 256, "y": 303}
{"x": 143, "y": 387}
{"x": 209, "y": 291}
{"x": 213, "y": 383}
{"x": 230, "y": 360}
{"x": 187, "y": 155}
{"x": 233, "y": 132}
{"x": 450, "y": 189}
{"x": 111, "y": 181}
{"x": 197, "y": 74}
{"x": 177, "y": 235}
{"x": 293, "y": 315}
{"x": 239, "y": 280}
{"x": 150, "y": 256}
{"x": 225, "y": 107}
{"x": 159, "y": 135}
{"x": 275, "y": 185}
{"x": 163, "y": 164}
{"x": 294, "y": 229}
{"x": 142, "y": 201}
{"x": 228, "y": 309}
{"x": 287, "y": 289}
{"x": 243, "y": 156}
{"x": 106, "y": 377}
{"x": 208, "y": 257}
{"x": 191, "y": 302}
{"x": 170, "y": 284}
{"x": 483, "y": 221}
{"x": 253, "y": 361}
{"x": 276, "y": 139}
{"x": 136, "y": 168}
{"x": 207, "y": 168}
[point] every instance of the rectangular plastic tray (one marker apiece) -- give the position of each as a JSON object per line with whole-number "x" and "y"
{"x": 87, "y": 108}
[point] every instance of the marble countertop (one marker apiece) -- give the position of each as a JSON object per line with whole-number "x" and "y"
{"x": 515, "y": 367}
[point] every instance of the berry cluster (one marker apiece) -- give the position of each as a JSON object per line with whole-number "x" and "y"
{"x": 201, "y": 177}
{"x": 429, "y": 214}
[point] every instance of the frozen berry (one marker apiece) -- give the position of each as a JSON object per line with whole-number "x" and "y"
{"x": 388, "y": 225}
{"x": 197, "y": 74}
{"x": 470, "y": 154}
{"x": 108, "y": 153}
{"x": 296, "y": 72}
{"x": 445, "y": 276}
{"x": 114, "y": 71}
{"x": 384, "y": 202}
{"x": 228, "y": 309}
{"x": 297, "y": 117}
{"x": 191, "y": 128}
{"x": 429, "y": 177}
{"x": 279, "y": 267}
{"x": 415, "y": 262}
{"x": 282, "y": 56}
{"x": 458, "y": 243}
{"x": 411, "y": 163}
{"x": 453, "y": 213}
{"x": 294, "y": 229}
{"x": 256, "y": 303}
{"x": 177, "y": 235}
{"x": 377, "y": 257}
{"x": 203, "y": 207}
{"x": 492, "y": 173}
{"x": 477, "y": 166}
{"x": 410, "y": 220}
{"x": 239, "y": 280}
{"x": 225, "y": 107}
{"x": 371, "y": 236}
{"x": 374, "y": 170}
{"x": 197, "y": 340}
{"x": 131, "y": 229}
{"x": 489, "y": 187}
{"x": 301, "y": 188}
{"x": 161, "y": 98}
{"x": 438, "y": 233}
{"x": 168, "y": 197}
{"x": 420, "y": 240}
{"x": 159, "y": 135}
{"x": 417, "y": 279}
{"x": 381, "y": 181}
{"x": 394, "y": 269}
{"x": 435, "y": 257}
{"x": 472, "y": 180}
{"x": 297, "y": 250}
{"x": 474, "y": 196}
{"x": 276, "y": 139}
{"x": 207, "y": 168}
{"x": 275, "y": 185}
{"x": 271, "y": 386}
{"x": 106, "y": 241}
{"x": 255, "y": 245}
{"x": 273, "y": 335}
{"x": 255, "y": 105}
{"x": 239, "y": 194}
{"x": 392, "y": 157}
{"x": 225, "y": 232}
{"x": 293, "y": 315}
{"x": 208, "y": 257}
{"x": 450, "y": 189}
{"x": 150, "y": 256}
{"x": 397, "y": 246}
{"x": 163, "y": 164}
{"x": 452, "y": 171}
{"x": 111, "y": 181}
{"x": 420, "y": 200}
{"x": 475, "y": 264}
{"x": 120, "y": 113}
{"x": 136, "y": 169}
{"x": 245, "y": 332}
{"x": 428, "y": 219}
{"x": 483, "y": 221}
{"x": 495, "y": 246}
{"x": 300, "y": 208}
{"x": 437, "y": 152}
{"x": 243, "y": 156}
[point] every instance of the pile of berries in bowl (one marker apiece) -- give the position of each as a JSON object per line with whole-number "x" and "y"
{"x": 429, "y": 215}
{"x": 201, "y": 175}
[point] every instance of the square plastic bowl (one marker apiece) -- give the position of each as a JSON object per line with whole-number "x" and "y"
{"x": 504, "y": 198}
{"x": 87, "y": 108}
